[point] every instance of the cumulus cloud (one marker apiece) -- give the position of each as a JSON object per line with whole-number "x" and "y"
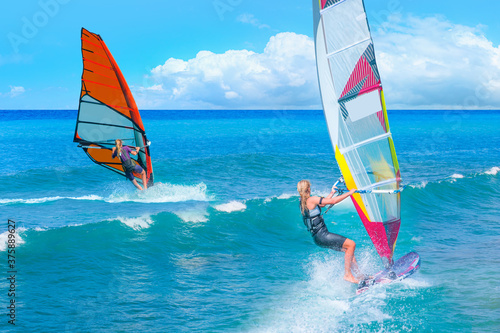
{"x": 433, "y": 63}
{"x": 282, "y": 76}
{"x": 424, "y": 63}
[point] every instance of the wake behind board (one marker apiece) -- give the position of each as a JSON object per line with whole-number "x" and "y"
{"x": 402, "y": 268}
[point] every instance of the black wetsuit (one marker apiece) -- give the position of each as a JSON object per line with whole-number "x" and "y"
{"x": 316, "y": 226}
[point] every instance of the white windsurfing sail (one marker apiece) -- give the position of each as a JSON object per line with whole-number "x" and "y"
{"x": 355, "y": 111}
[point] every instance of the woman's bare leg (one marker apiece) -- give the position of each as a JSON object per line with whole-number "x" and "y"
{"x": 355, "y": 267}
{"x": 137, "y": 184}
{"x": 143, "y": 175}
{"x": 349, "y": 246}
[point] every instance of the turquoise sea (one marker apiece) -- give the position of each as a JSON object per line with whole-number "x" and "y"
{"x": 218, "y": 244}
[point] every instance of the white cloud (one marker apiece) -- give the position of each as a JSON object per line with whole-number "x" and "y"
{"x": 424, "y": 63}
{"x": 282, "y": 76}
{"x": 14, "y": 92}
{"x": 433, "y": 63}
{"x": 250, "y": 19}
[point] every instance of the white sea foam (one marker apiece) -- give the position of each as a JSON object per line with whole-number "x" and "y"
{"x": 156, "y": 194}
{"x": 232, "y": 206}
{"x": 163, "y": 192}
{"x": 47, "y": 199}
{"x": 137, "y": 223}
{"x": 283, "y": 196}
{"x": 420, "y": 185}
{"x": 457, "y": 176}
{"x": 415, "y": 282}
{"x": 286, "y": 196}
{"x": 4, "y": 239}
{"x": 493, "y": 171}
{"x": 323, "y": 302}
{"x": 193, "y": 215}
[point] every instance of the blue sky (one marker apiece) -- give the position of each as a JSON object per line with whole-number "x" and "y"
{"x": 198, "y": 54}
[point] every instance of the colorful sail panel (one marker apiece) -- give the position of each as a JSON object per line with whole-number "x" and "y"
{"x": 107, "y": 110}
{"x": 356, "y": 115}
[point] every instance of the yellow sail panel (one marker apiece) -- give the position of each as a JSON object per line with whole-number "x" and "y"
{"x": 348, "y": 179}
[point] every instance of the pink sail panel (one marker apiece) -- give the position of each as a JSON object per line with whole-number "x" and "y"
{"x": 382, "y": 234}
{"x": 362, "y": 74}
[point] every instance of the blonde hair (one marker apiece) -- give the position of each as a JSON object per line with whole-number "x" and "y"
{"x": 119, "y": 144}
{"x": 304, "y": 189}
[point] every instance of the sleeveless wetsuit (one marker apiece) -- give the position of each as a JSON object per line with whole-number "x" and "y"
{"x": 316, "y": 226}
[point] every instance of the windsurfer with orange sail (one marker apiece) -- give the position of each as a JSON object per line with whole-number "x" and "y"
{"x": 107, "y": 112}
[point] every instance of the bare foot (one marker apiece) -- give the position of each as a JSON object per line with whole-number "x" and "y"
{"x": 350, "y": 278}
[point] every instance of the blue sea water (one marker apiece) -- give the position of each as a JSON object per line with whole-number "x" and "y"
{"x": 218, "y": 244}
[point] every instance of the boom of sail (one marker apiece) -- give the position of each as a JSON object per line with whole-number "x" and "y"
{"x": 107, "y": 110}
{"x": 356, "y": 115}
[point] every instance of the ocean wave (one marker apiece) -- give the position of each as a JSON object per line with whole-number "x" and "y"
{"x": 160, "y": 193}
{"x": 420, "y": 185}
{"x": 455, "y": 177}
{"x": 193, "y": 215}
{"x": 493, "y": 171}
{"x": 232, "y": 206}
{"x": 47, "y": 199}
{"x": 4, "y": 239}
{"x": 286, "y": 196}
{"x": 137, "y": 223}
{"x": 163, "y": 192}
{"x": 283, "y": 196}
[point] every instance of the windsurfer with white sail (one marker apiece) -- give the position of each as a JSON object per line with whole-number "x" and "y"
{"x": 310, "y": 207}
{"x": 128, "y": 165}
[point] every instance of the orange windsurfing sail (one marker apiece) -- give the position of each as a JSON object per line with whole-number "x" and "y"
{"x": 107, "y": 110}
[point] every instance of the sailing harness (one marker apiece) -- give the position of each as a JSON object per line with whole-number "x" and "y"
{"x": 315, "y": 222}
{"x": 128, "y": 164}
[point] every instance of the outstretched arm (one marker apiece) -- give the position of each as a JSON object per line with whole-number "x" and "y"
{"x": 331, "y": 201}
{"x": 113, "y": 151}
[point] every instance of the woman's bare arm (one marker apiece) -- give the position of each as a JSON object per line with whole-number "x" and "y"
{"x": 335, "y": 200}
{"x": 134, "y": 152}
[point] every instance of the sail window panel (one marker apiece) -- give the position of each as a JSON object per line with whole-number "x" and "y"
{"x": 360, "y": 177}
{"x": 92, "y": 110}
{"x": 375, "y": 160}
{"x": 381, "y": 207}
{"x": 364, "y": 105}
{"x": 388, "y": 204}
{"x": 139, "y": 138}
{"x": 342, "y": 65}
{"x": 348, "y": 17}
{"x": 366, "y": 129}
{"x": 102, "y": 133}
{"x": 369, "y": 165}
